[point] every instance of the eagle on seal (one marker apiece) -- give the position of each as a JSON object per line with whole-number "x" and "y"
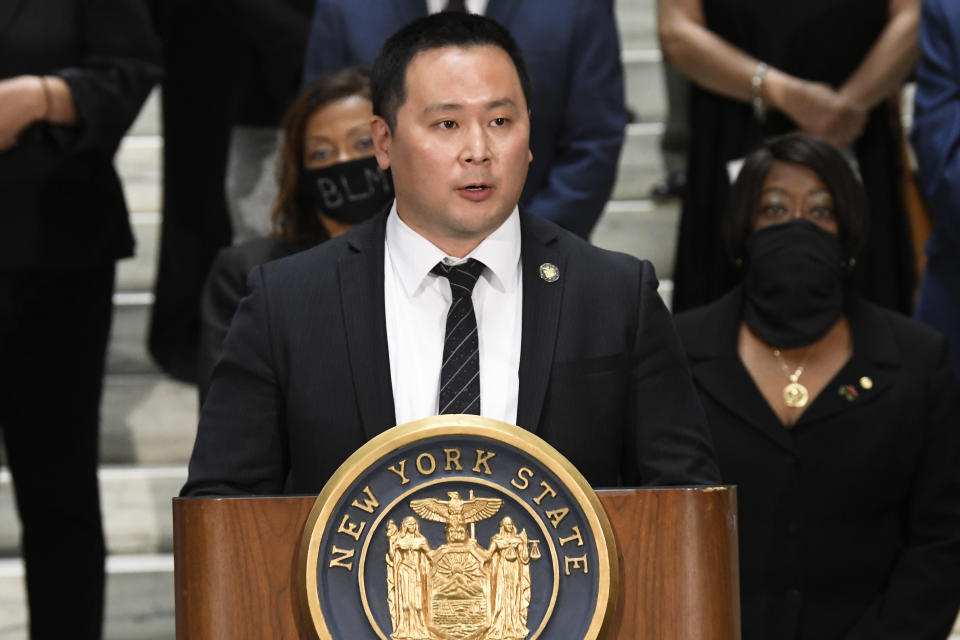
{"x": 456, "y": 512}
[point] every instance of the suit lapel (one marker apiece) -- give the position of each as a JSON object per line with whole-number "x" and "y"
{"x": 719, "y": 372}
{"x": 409, "y": 10}
{"x": 728, "y": 382}
{"x": 361, "y": 298}
{"x": 865, "y": 377}
{"x": 502, "y": 10}
{"x": 541, "y": 315}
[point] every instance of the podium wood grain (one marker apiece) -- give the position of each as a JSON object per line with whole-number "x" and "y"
{"x": 235, "y": 562}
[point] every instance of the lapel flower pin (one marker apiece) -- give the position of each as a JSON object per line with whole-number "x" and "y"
{"x": 849, "y": 392}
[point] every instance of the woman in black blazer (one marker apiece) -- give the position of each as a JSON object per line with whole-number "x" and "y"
{"x": 328, "y": 182}
{"x": 73, "y": 76}
{"x": 838, "y": 420}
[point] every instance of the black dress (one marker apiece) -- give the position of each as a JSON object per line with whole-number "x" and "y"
{"x": 819, "y": 40}
{"x": 849, "y": 522}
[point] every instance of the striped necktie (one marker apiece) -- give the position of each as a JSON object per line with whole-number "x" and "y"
{"x": 460, "y": 370}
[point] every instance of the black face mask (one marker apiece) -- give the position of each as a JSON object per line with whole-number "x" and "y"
{"x": 794, "y": 284}
{"x": 349, "y": 192}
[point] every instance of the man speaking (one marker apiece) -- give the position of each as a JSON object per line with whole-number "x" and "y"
{"x": 454, "y": 301}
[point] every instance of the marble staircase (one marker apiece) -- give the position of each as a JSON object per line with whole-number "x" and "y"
{"x": 149, "y": 420}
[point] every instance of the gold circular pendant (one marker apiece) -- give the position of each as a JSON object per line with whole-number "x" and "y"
{"x": 795, "y": 395}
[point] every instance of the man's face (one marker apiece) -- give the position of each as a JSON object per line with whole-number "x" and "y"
{"x": 460, "y": 148}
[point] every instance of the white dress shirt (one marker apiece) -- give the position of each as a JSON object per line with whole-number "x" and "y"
{"x": 473, "y": 6}
{"x": 416, "y": 303}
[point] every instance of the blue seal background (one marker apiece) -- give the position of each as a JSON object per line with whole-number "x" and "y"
{"x": 338, "y": 589}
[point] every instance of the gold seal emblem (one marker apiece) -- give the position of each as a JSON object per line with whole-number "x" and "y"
{"x": 469, "y": 588}
{"x": 549, "y": 272}
{"x": 458, "y": 528}
{"x": 795, "y": 395}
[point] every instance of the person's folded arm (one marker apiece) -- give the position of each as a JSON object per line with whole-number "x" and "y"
{"x": 889, "y": 60}
{"x": 119, "y": 66}
{"x": 723, "y": 68}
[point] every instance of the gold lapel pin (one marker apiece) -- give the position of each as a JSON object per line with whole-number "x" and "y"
{"x": 866, "y": 383}
{"x": 549, "y": 272}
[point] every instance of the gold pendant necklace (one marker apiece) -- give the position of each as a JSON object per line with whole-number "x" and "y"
{"x": 795, "y": 395}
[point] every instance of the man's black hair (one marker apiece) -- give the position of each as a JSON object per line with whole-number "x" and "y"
{"x": 388, "y": 76}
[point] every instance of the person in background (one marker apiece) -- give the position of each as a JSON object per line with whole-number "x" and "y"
{"x": 328, "y": 182}
{"x": 936, "y": 142}
{"x": 241, "y": 60}
{"x": 73, "y": 76}
{"x": 269, "y": 39}
{"x": 838, "y": 420}
{"x": 577, "y": 105}
{"x": 762, "y": 68}
{"x": 454, "y": 300}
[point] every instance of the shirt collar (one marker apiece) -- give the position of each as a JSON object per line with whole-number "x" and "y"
{"x": 473, "y": 6}
{"x": 413, "y": 256}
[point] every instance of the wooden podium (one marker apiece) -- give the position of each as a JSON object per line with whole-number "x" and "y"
{"x": 236, "y": 560}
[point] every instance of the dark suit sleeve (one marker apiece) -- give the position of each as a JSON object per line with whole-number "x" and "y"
{"x": 241, "y": 444}
{"x": 670, "y": 443}
{"x": 581, "y": 178}
{"x": 936, "y": 123}
{"x": 224, "y": 288}
{"x": 119, "y": 65}
{"x": 326, "y": 46}
{"x": 923, "y": 592}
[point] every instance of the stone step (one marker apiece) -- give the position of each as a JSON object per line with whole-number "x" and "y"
{"x": 140, "y": 165}
{"x": 127, "y": 349}
{"x": 135, "y": 503}
{"x": 642, "y": 228}
{"x": 640, "y": 164}
{"x": 148, "y": 120}
{"x": 637, "y": 24}
{"x": 147, "y": 419}
{"x": 644, "y": 84}
{"x": 138, "y": 273}
{"x": 139, "y": 606}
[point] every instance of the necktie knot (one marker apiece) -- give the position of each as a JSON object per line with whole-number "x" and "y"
{"x": 458, "y": 6}
{"x": 462, "y": 277}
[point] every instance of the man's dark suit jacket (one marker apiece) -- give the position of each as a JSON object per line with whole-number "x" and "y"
{"x": 849, "y": 520}
{"x": 304, "y": 377}
{"x": 572, "y": 51}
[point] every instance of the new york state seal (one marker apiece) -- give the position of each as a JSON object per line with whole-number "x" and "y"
{"x": 458, "y": 528}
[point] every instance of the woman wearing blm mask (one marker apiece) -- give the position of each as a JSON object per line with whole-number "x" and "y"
{"x": 838, "y": 420}
{"x": 329, "y": 182}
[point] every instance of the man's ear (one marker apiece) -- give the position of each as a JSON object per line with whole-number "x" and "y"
{"x": 382, "y": 137}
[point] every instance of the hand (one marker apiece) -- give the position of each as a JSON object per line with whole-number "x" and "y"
{"x": 819, "y": 109}
{"x": 22, "y": 102}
